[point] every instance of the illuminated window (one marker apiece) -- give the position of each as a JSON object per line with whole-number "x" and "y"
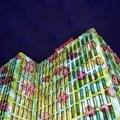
{"x": 95, "y": 101}
{"x": 70, "y": 87}
{"x": 81, "y": 60}
{"x": 95, "y": 74}
{"x": 74, "y": 74}
{"x": 87, "y": 91}
{"x": 112, "y": 113}
{"x": 76, "y": 96}
{"x": 88, "y": 66}
{"x": 71, "y": 99}
{"x": 85, "y": 57}
{"x": 90, "y": 36}
{"x": 92, "y": 63}
{"x": 73, "y": 65}
{"x": 70, "y": 49}
{"x": 84, "y": 49}
{"x": 82, "y": 41}
{"x": 75, "y": 85}
{"x": 78, "y": 109}
{"x": 90, "y": 77}
{"x": 78, "y": 44}
{"x": 101, "y": 99}
{"x": 90, "y": 54}
{"x": 80, "y": 83}
{"x": 98, "y": 115}
{"x": 103, "y": 82}
{"x": 100, "y": 71}
{"x": 95, "y": 52}
{"x": 98, "y": 86}
{"x": 86, "y": 38}
{"x": 74, "y": 46}
{"x": 92, "y": 88}
{"x": 81, "y": 94}
{"x": 77, "y": 62}
{"x": 72, "y": 112}
{"x": 83, "y": 107}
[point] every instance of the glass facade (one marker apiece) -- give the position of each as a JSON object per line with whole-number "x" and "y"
{"x": 80, "y": 81}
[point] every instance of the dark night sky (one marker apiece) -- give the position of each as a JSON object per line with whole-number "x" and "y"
{"x": 37, "y": 27}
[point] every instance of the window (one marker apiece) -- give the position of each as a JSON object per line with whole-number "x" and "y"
{"x": 81, "y": 94}
{"x": 101, "y": 99}
{"x": 72, "y": 112}
{"x": 70, "y": 49}
{"x": 73, "y": 66}
{"x": 85, "y": 57}
{"x": 84, "y": 49}
{"x": 81, "y": 60}
{"x": 90, "y": 54}
{"x": 92, "y": 88}
{"x": 82, "y": 41}
{"x": 74, "y": 74}
{"x": 74, "y": 47}
{"x": 87, "y": 91}
{"x": 76, "y": 97}
{"x": 95, "y": 74}
{"x": 112, "y": 113}
{"x": 98, "y": 86}
{"x": 90, "y": 36}
{"x": 75, "y": 85}
{"x": 90, "y": 77}
{"x": 77, "y": 62}
{"x": 80, "y": 83}
{"x": 98, "y": 115}
{"x": 78, "y": 44}
{"x": 103, "y": 82}
{"x": 93, "y": 63}
{"x": 88, "y": 66}
{"x": 79, "y": 52}
{"x": 100, "y": 71}
{"x": 83, "y": 107}
{"x": 71, "y": 99}
{"x": 86, "y": 38}
{"x": 78, "y": 109}
{"x": 95, "y": 101}
{"x": 95, "y": 51}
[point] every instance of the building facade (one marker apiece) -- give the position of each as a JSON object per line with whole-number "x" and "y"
{"x": 80, "y": 81}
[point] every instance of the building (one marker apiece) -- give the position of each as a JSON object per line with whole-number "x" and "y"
{"x": 80, "y": 81}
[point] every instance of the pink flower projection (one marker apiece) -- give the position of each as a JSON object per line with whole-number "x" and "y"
{"x": 105, "y": 108}
{"x": 72, "y": 55}
{"x": 52, "y": 57}
{"x": 89, "y": 111}
{"x": 30, "y": 66}
{"x": 6, "y": 80}
{"x": 46, "y": 79}
{"x": 63, "y": 97}
{"x": 106, "y": 48}
{"x": 91, "y": 44}
{"x": 81, "y": 75}
{"x": 111, "y": 91}
{"x": 3, "y": 69}
{"x": 4, "y": 106}
{"x": 115, "y": 80}
{"x": 62, "y": 71}
{"x": 28, "y": 88}
{"x": 45, "y": 116}
{"x": 117, "y": 59}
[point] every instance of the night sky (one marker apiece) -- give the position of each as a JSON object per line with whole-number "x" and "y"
{"x": 37, "y": 27}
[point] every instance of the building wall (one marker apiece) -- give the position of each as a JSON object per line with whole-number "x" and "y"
{"x": 80, "y": 81}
